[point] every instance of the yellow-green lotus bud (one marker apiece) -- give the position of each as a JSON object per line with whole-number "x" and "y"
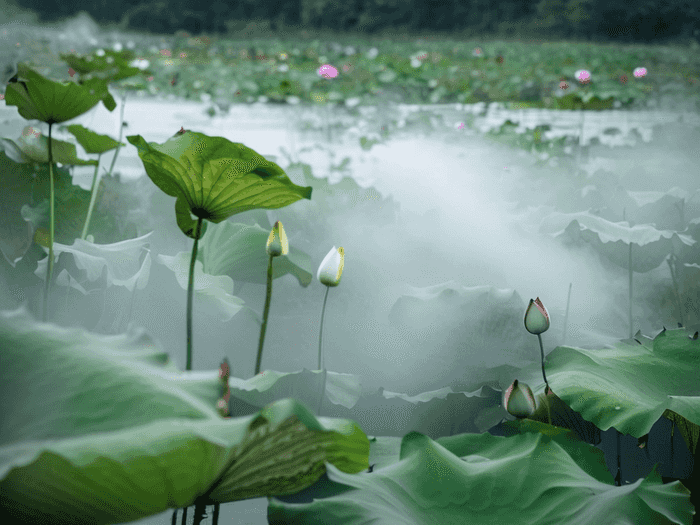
{"x": 536, "y": 317}
{"x": 519, "y": 401}
{"x": 332, "y": 267}
{"x": 277, "y": 243}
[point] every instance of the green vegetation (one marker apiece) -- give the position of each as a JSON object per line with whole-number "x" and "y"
{"x": 423, "y": 71}
{"x": 105, "y": 429}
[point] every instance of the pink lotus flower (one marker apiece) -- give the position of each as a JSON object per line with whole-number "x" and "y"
{"x": 583, "y": 76}
{"x": 327, "y": 71}
{"x": 640, "y": 72}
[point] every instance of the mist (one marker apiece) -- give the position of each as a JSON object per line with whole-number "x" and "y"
{"x": 457, "y": 223}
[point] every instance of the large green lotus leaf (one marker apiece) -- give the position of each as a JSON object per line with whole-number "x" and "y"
{"x": 104, "y": 429}
{"x": 534, "y": 478}
{"x": 52, "y": 102}
{"x": 238, "y": 250}
{"x": 216, "y": 178}
{"x": 649, "y": 246}
{"x": 597, "y": 383}
{"x": 33, "y": 146}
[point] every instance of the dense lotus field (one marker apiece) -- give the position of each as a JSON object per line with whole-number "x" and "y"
{"x": 351, "y": 71}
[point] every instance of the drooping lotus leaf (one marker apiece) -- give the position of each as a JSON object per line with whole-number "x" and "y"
{"x": 214, "y": 178}
{"x": 93, "y": 142}
{"x": 37, "y": 97}
{"x": 612, "y": 239}
{"x": 33, "y": 146}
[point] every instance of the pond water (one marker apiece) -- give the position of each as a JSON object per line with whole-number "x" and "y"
{"x": 453, "y": 186}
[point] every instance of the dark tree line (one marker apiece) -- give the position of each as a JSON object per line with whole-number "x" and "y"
{"x": 611, "y": 20}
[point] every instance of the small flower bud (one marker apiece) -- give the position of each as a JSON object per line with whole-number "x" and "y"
{"x": 331, "y": 268}
{"x": 277, "y": 243}
{"x": 536, "y": 317}
{"x": 519, "y": 400}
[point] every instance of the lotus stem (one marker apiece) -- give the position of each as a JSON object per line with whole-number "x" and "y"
{"x": 266, "y": 311}
{"x": 49, "y": 269}
{"x": 546, "y": 388}
{"x": 566, "y": 315}
{"x": 618, "y": 474}
{"x": 96, "y": 178}
{"x": 672, "y": 261}
{"x": 630, "y": 288}
{"x": 320, "y": 346}
{"x": 190, "y": 292}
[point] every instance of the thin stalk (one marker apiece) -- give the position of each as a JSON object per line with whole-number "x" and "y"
{"x": 566, "y": 315}
{"x": 190, "y": 293}
{"x": 546, "y": 389}
{"x": 93, "y": 198}
{"x": 200, "y": 512}
{"x": 266, "y": 311}
{"x": 672, "y": 261}
{"x": 630, "y": 288}
{"x": 49, "y": 269}
{"x": 320, "y": 346}
{"x": 320, "y": 334}
{"x": 95, "y": 177}
{"x": 618, "y": 474}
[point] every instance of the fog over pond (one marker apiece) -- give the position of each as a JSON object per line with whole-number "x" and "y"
{"x": 464, "y": 220}
{"x": 457, "y": 224}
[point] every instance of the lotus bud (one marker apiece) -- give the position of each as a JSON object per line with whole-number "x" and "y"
{"x": 331, "y": 268}
{"x": 222, "y": 405}
{"x": 224, "y": 372}
{"x": 277, "y": 243}
{"x": 519, "y": 401}
{"x": 536, "y": 317}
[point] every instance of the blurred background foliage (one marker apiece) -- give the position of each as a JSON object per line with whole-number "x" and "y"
{"x": 609, "y": 21}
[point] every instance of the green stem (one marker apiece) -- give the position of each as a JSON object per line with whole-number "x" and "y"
{"x": 618, "y": 474}
{"x": 320, "y": 346}
{"x": 121, "y": 131}
{"x": 190, "y": 293}
{"x": 49, "y": 270}
{"x": 672, "y": 261}
{"x": 95, "y": 177}
{"x": 215, "y": 519}
{"x": 200, "y": 512}
{"x": 546, "y": 389}
{"x": 93, "y": 198}
{"x": 630, "y": 288}
{"x": 566, "y": 315}
{"x": 323, "y": 391}
{"x": 266, "y": 311}
{"x": 320, "y": 333}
